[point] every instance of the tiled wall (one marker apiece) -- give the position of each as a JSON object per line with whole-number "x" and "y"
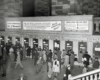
{"x": 42, "y": 8}
{"x": 9, "y": 8}
{"x": 63, "y": 7}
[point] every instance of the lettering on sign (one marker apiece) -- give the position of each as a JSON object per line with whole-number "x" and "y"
{"x": 44, "y": 25}
{"x": 13, "y": 25}
{"x": 76, "y": 25}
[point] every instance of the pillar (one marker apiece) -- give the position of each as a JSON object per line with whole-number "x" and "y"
{"x": 31, "y": 42}
{"x": 75, "y": 47}
{"x": 62, "y": 45}
{"x": 6, "y": 39}
{"x": 40, "y": 43}
{"x": 51, "y": 44}
{"x": 22, "y": 41}
{"x": 90, "y": 48}
{"x": 13, "y": 40}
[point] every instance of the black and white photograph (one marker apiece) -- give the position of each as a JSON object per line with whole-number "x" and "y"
{"x": 49, "y": 39}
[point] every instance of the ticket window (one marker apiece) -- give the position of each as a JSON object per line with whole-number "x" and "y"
{"x": 96, "y": 49}
{"x": 82, "y": 47}
{"x": 35, "y": 43}
{"x": 17, "y": 41}
{"x": 26, "y": 42}
{"x": 56, "y": 45}
{"x": 45, "y": 43}
{"x": 2, "y": 41}
{"x": 9, "y": 40}
{"x": 69, "y": 45}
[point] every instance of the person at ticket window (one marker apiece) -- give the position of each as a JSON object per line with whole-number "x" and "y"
{"x": 86, "y": 58}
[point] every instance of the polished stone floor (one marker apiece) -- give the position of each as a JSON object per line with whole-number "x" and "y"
{"x": 30, "y": 71}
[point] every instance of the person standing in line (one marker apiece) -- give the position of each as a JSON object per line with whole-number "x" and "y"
{"x": 44, "y": 56}
{"x": 66, "y": 60}
{"x": 4, "y": 62}
{"x": 59, "y": 56}
{"x": 49, "y": 56}
{"x": 80, "y": 57}
{"x": 24, "y": 53}
{"x": 36, "y": 55}
{"x": 33, "y": 50}
{"x": 28, "y": 52}
{"x": 7, "y": 48}
{"x": 11, "y": 55}
{"x": 21, "y": 53}
{"x": 86, "y": 58}
{"x": 18, "y": 62}
{"x": 72, "y": 57}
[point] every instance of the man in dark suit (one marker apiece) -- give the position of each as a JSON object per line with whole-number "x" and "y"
{"x": 4, "y": 61}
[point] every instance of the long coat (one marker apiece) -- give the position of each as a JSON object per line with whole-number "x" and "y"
{"x": 66, "y": 60}
{"x": 56, "y": 67}
{"x": 72, "y": 57}
{"x": 28, "y": 51}
{"x": 4, "y": 60}
{"x": 24, "y": 52}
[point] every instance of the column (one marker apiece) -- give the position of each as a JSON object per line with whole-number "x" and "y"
{"x": 51, "y": 44}
{"x": 31, "y": 42}
{"x": 13, "y": 40}
{"x": 40, "y": 43}
{"x": 75, "y": 47}
{"x": 90, "y": 48}
{"x": 62, "y": 45}
{"x": 6, "y": 39}
{"x": 22, "y": 41}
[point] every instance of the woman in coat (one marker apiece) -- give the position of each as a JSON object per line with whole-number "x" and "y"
{"x": 66, "y": 60}
{"x": 56, "y": 67}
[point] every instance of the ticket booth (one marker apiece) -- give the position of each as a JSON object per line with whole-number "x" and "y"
{"x": 69, "y": 45}
{"x": 56, "y": 44}
{"x": 2, "y": 40}
{"x": 45, "y": 43}
{"x": 26, "y": 42}
{"x": 96, "y": 50}
{"x": 9, "y": 40}
{"x": 35, "y": 43}
{"x": 82, "y": 47}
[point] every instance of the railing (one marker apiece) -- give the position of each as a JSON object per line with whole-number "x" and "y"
{"x": 92, "y": 75}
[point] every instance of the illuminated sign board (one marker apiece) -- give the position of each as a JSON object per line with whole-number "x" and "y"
{"x": 76, "y": 26}
{"x": 13, "y": 25}
{"x": 42, "y": 25}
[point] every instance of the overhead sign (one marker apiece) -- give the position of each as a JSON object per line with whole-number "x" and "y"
{"x": 76, "y": 25}
{"x": 42, "y": 25}
{"x": 13, "y": 25}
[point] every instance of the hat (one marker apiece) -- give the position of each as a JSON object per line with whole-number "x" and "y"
{"x": 64, "y": 75}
